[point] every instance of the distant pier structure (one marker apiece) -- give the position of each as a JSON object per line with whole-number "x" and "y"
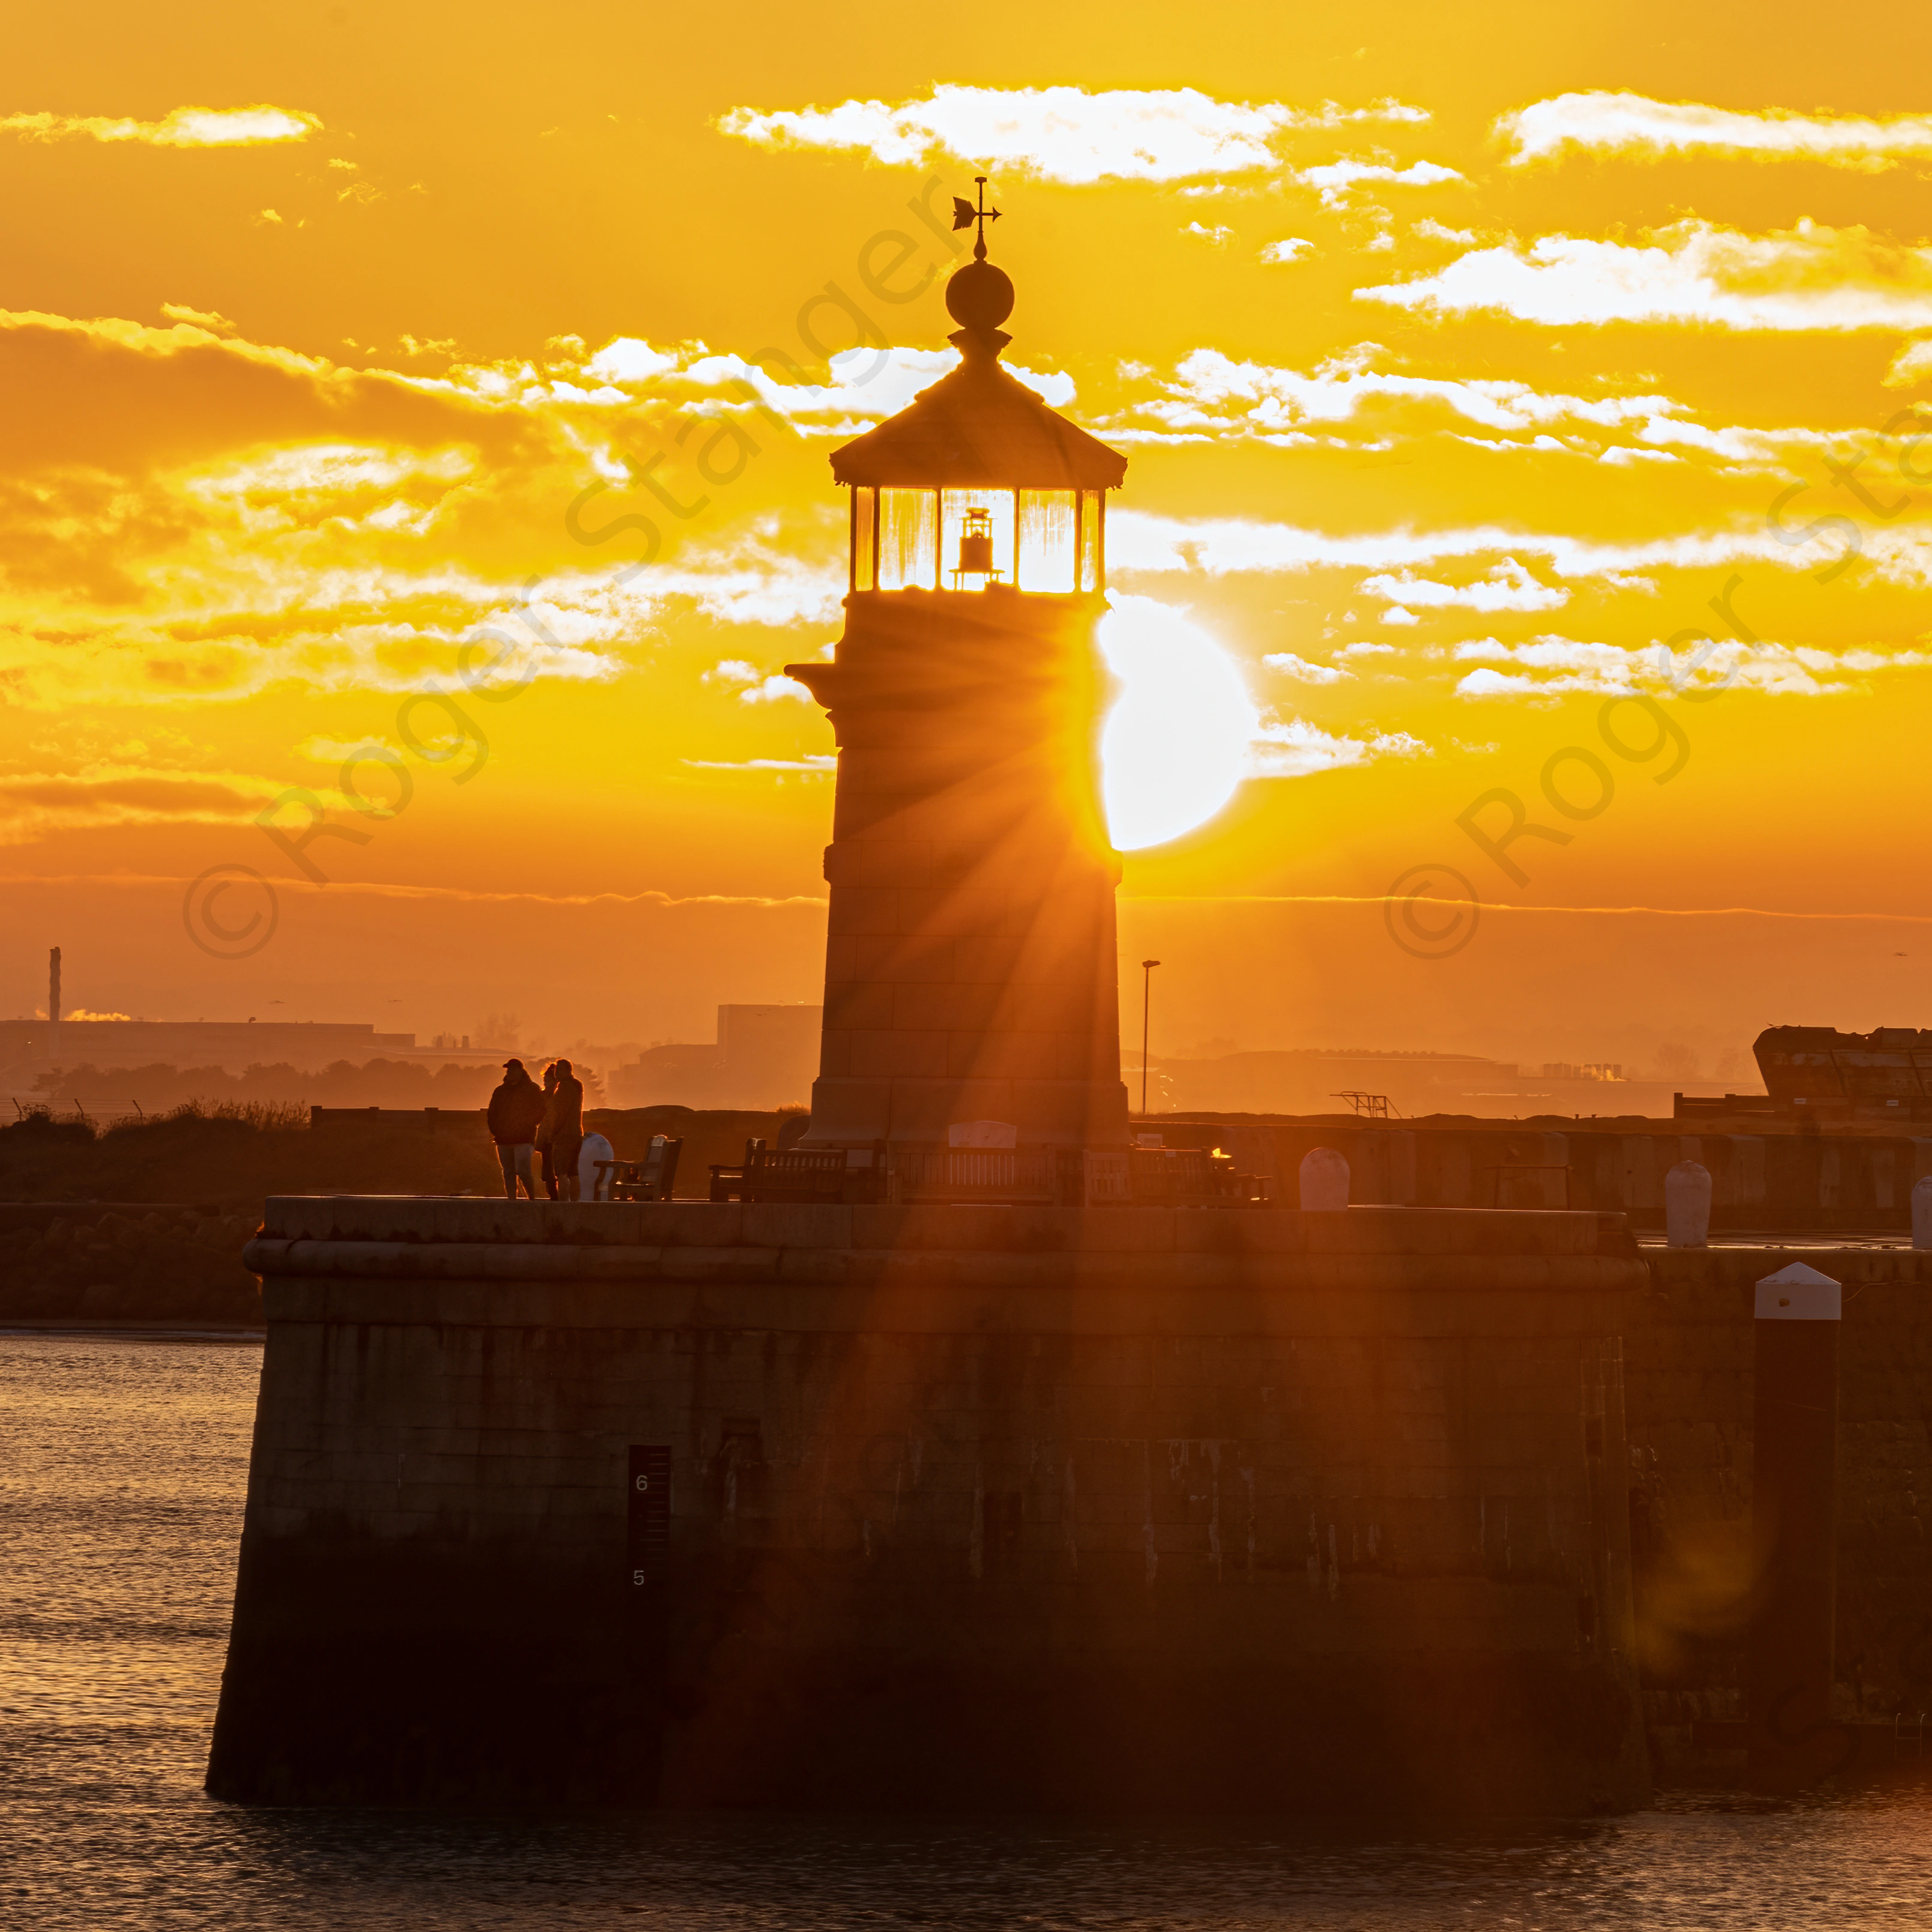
{"x": 1078, "y": 1505}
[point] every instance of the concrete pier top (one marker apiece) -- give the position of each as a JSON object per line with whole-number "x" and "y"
{"x": 361, "y": 1258}
{"x": 433, "y": 1220}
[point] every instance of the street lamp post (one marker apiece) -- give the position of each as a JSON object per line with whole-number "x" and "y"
{"x": 1147, "y": 1009}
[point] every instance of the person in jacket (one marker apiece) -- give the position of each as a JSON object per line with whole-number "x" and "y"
{"x": 564, "y": 1116}
{"x": 516, "y": 1111}
{"x": 546, "y": 1131}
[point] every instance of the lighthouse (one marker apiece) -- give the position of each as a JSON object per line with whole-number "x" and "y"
{"x": 1035, "y": 1507}
{"x": 970, "y": 973}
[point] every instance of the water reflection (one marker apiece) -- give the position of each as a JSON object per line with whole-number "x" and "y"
{"x": 121, "y": 1466}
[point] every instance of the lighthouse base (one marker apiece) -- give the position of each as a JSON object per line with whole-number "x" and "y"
{"x": 991, "y": 1507}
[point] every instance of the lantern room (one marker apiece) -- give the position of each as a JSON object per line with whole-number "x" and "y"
{"x": 978, "y": 486}
{"x": 974, "y": 539}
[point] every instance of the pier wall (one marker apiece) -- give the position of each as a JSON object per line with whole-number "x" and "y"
{"x": 1810, "y": 1182}
{"x": 1688, "y": 1390}
{"x": 1004, "y": 1508}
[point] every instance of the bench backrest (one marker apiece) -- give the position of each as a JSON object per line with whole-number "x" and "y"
{"x": 658, "y": 1168}
{"x": 764, "y": 1163}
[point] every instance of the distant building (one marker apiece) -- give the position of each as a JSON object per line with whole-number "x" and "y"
{"x": 32, "y": 1046}
{"x": 1415, "y": 1084}
{"x": 764, "y": 1056}
{"x": 1886, "y": 1073}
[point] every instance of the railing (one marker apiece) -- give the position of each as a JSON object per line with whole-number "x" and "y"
{"x": 1045, "y": 1175}
{"x": 1515, "y": 1180}
{"x": 1061, "y": 1176}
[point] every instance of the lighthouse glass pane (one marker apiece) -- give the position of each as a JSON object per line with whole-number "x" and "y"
{"x": 865, "y": 513}
{"x": 908, "y": 538}
{"x": 1092, "y": 543}
{"x": 1046, "y": 540}
{"x": 998, "y": 505}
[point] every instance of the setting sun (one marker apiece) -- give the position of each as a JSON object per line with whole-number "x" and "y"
{"x": 1175, "y": 744}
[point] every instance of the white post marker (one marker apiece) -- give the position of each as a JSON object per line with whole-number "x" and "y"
{"x": 1789, "y": 1650}
{"x": 1324, "y": 1179}
{"x": 1686, "y": 1206}
{"x": 1921, "y": 1212}
{"x": 1799, "y": 1294}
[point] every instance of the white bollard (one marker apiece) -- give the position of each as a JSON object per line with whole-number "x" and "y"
{"x": 1921, "y": 1212}
{"x": 1686, "y": 1206}
{"x": 1324, "y": 1179}
{"x": 595, "y": 1147}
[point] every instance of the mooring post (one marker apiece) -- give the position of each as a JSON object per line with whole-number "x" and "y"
{"x": 1687, "y": 1205}
{"x": 1794, "y": 1529}
{"x": 1324, "y": 1179}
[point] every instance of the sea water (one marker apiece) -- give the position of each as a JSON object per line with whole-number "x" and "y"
{"x": 123, "y": 1462}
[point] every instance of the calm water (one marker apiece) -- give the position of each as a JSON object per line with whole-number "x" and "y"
{"x": 121, "y": 1470}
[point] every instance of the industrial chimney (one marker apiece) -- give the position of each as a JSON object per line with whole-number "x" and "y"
{"x": 53, "y": 986}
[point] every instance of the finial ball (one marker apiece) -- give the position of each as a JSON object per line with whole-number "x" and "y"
{"x": 979, "y": 295}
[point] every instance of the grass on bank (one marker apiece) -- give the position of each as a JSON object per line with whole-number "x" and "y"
{"x": 232, "y": 1154}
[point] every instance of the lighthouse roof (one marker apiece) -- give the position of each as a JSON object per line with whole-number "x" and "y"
{"x": 979, "y": 428}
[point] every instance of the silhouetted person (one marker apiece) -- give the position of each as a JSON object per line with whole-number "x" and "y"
{"x": 565, "y": 1117}
{"x": 516, "y": 1111}
{"x": 546, "y": 1133}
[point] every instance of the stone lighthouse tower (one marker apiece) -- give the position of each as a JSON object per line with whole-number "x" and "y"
{"x": 970, "y": 966}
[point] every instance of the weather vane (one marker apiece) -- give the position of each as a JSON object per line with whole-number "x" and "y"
{"x": 965, "y": 215}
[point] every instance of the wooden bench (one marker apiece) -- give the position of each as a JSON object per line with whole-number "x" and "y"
{"x": 802, "y": 1175}
{"x": 649, "y": 1179}
{"x": 1188, "y": 1177}
{"x": 1157, "y": 1176}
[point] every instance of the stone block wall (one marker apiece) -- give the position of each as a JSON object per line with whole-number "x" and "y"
{"x": 970, "y": 945}
{"x": 1037, "y": 1508}
{"x": 1688, "y": 1357}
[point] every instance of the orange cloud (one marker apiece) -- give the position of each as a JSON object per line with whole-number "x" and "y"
{"x": 1634, "y": 125}
{"x": 1806, "y": 277}
{"x": 1061, "y": 133}
{"x": 258, "y": 126}
{"x": 34, "y": 804}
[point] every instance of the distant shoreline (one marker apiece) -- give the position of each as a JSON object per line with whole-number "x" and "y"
{"x": 75, "y": 1329}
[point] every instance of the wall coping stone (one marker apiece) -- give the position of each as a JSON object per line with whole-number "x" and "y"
{"x": 432, "y": 1221}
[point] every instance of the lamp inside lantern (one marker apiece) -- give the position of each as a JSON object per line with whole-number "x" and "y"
{"x": 1034, "y": 540}
{"x": 976, "y": 548}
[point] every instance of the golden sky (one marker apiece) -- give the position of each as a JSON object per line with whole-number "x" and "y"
{"x": 1521, "y": 404}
